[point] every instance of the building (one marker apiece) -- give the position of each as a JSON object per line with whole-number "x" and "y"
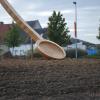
{"x": 34, "y": 24}
{"x": 90, "y": 48}
{"x": 4, "y": 28}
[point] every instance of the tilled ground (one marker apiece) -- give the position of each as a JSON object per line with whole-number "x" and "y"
{"x": 40, "y": 79}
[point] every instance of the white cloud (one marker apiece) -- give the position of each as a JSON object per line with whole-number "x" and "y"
{"x": 67, "y": 11}
{"x": 12, "y": 1}
{"x": 44, "y": 13}
{"x": 49, "y": 13}
{"x": 91, "y": 8}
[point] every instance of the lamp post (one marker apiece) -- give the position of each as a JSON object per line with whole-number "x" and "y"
{"x": 75, "y": 28}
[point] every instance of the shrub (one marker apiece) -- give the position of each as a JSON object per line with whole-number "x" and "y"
{"x": 71, "y": 53}
{"x": 0, "y": 50}
{"x": 34, "y": 54}
{"x": 96, "y": 56}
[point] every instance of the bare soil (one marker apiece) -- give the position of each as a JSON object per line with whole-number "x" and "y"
{"x": 40, "y": 79}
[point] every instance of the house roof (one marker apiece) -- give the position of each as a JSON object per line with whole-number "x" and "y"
{"x": 37, "y": 27}
{"x": 73, "y": 40}
{"x": 34, "y": 24}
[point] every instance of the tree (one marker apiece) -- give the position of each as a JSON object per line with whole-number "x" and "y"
{"x": 0, "y": 51}
{"x": 13, "y": 37}
{"x": 57, "y": 30}
{"x": 99, "y": 33}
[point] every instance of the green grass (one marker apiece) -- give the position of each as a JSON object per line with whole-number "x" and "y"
{"x": 96, "y": 56}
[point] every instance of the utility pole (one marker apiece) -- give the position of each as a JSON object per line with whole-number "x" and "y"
{"x": 75, "y": 28}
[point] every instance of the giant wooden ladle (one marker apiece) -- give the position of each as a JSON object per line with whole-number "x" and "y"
{"x": 45, "y": 47}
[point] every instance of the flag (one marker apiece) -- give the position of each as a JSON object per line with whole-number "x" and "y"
{"x": 75, "y": 29}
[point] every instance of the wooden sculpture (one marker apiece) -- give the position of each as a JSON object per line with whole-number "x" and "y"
{"x": 45, "y": 47}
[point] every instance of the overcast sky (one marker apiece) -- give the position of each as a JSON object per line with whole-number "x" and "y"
{"x": 88, "y": 14}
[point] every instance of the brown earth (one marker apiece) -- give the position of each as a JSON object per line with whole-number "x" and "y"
{"x": 40, "y": 79}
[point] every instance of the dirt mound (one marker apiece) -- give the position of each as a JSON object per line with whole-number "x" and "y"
{"x": 40, "y": 79}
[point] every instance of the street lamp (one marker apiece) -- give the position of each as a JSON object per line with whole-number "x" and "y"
{"x": 75, "y": 27}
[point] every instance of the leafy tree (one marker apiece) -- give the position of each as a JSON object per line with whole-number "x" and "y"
{"x": 13, "y": 37}
{"x": 0, "y": 50}
{"x": 57, "y": 30}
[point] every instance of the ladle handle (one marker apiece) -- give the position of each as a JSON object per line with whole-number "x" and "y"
{"x": 19, "y": 20}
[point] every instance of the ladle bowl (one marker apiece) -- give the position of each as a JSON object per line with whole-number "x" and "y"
{"x": 50, "y": 49}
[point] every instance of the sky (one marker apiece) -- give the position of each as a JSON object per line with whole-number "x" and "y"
{"x": 88, "y": 15}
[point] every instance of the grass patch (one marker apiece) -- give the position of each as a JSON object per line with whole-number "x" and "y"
{"x": 96, "y": 56}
